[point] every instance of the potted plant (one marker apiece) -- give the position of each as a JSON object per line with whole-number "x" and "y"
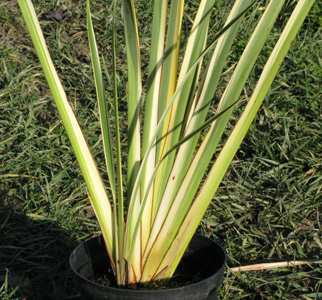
{"x": 175, "y": 162}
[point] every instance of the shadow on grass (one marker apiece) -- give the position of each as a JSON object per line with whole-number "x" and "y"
{"x": 34, "y": 257}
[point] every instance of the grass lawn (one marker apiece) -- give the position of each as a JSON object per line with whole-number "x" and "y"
{"x": 268, "y": 208}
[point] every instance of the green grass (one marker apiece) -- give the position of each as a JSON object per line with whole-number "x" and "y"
{"x": 267, "y": 209}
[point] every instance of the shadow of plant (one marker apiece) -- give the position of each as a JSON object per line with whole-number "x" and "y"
{"x": 34, "y": 256}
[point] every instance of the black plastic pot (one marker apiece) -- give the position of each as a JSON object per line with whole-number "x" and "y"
{"x": 203, "y": 256}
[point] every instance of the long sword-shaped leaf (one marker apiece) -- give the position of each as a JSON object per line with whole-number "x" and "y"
{"x": 120, "y": 193}
{"x": 89, "y": 169}
{"x": 103, "y": 112}
{"x": 171, "y": 61}
{"x": 134, "y": 98}
{"x": 152, "y": 108}
{"x": 134, "y": 92}
{"x": 105, "y": 128}
{"x": 168, "y": 80}
{"x": 226, "y": 155}
{"x": 106, "y": 136}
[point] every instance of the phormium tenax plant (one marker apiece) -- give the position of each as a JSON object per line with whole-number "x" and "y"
{"x": 175, "y": 160}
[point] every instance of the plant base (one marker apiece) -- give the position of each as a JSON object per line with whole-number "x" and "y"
{"x": 198, "y": 275}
